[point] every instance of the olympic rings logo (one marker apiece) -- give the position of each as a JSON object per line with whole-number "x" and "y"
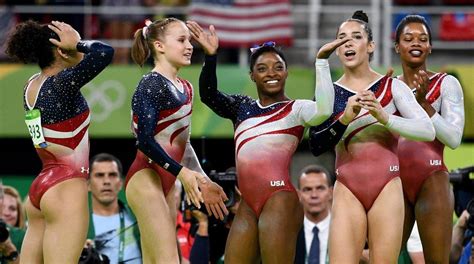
{"x": 103, "y": 99}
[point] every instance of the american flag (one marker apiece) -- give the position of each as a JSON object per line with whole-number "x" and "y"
{"x": 246, "y": 22}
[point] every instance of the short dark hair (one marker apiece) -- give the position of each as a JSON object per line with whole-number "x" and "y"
{"x": 408, "y": 20}
{"x": 315, "y": 169}
{"x": 254, "y": 56}
{"x": 106, "y": 157}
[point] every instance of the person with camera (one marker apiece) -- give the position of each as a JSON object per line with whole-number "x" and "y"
{"x": 210, "y": 237}
{"x": 112, "y": 226}
{"x": 11, "y": 238}
{"x": 462, "y": 246}
{"x": 315, "y": 193}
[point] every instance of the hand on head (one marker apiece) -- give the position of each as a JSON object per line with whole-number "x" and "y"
{"x": 68, "y": 36}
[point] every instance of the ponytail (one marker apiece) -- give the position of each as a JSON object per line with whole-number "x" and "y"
{"x": 140, "y": 49}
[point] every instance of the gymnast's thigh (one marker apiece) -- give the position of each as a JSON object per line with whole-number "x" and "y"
{"x": 242, "y": 243}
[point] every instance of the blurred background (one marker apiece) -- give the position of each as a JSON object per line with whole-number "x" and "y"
{"x": 299, "y": 26}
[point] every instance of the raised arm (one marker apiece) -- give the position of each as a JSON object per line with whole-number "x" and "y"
{"x": 324, "y": 90}
{"x": 221, "y": 103}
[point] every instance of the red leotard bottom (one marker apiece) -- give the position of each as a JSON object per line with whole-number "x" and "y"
{"x": 51, "y": 175}
{"x": 366, "y": 172}
{"x": 258, "y": 181}
{"x": 143, "y": 162}
{"x": 418, "y": 161}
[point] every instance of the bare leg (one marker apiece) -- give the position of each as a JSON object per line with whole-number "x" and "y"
{"x": 278, "y": 226}
{"x": 348, "y": 229}
{"x": 385, "y": 224}
{"x": 408, "y": 223}
{"x": 434, "y": 211}
{"x": 32, "y": 248}
{"x": 66, "y": 217}
{"x": 146, "y": 198}
{"x": 244, "y": 231}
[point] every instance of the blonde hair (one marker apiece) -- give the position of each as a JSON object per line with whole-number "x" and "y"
{"x": 21, "y": 221}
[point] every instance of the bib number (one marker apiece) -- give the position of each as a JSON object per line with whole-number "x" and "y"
{"x": 33, "y": 122}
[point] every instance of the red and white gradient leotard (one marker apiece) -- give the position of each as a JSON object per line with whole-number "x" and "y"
{"x": 266, "y": 137}
{"x": 418, "y": 160}
{"x": 65, "y": 120}
{"x": 366, "y": 155}
{"x": 161, "y": 123}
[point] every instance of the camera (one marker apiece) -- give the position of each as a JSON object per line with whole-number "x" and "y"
{"x": 4, "y": 233}
{"x": 90, "y": 255}
{"x": 462, "y": 180}
{"x": 470, "y": 210}
{"x": 227, "y": 180}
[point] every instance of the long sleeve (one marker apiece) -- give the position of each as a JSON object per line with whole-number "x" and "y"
{"x": 449, "y": 124}
{"x": 414, "y": 123}
{"x": 97, "y": 55}
{"x": 314, "y": 113}
{"x": 190, "y": 159}
{"x": 222, "y": 104}
{"x": 148, "y": 113}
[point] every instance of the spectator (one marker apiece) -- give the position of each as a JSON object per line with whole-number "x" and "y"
{"x": 112, "y": 224}
{"x": 210, "y": 238}
{"x": 122, "y": 26}
{"x": 315, "y": 194}
{"x": 13, "y": 212}
{"x": 461, "y": 250}
{"x": 10, "y": 246}
{"x": 183, "y": 228}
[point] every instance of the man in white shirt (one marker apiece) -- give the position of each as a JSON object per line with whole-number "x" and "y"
{"x": 315, "y": 194}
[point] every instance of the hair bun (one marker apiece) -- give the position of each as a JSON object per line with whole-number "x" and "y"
{"x": 360, "y": 15}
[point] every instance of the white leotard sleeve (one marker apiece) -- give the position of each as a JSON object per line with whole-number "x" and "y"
{"x": 315, "y": 113}
{"x": 414, "y": 123}
{"x": 449, "y": 124}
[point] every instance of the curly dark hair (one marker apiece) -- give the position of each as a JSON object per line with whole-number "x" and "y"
{"x": 29, "y": 43}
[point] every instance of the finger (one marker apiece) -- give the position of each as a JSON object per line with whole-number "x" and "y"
{"x": 198, "y": 194}
{"x": 215, "y": 212}
{"x": 212, "y": 30}
{"x": 195, "y": 197}
{"x": 188, "y": 201}
{"x": 223, "y": 208}
{"x": 208, "y": 209}
{"x": 223, "y": 195}
{"x": 221, "y": 214}
{"x": 54, "y": 41}
{"x": 54, "y": 28}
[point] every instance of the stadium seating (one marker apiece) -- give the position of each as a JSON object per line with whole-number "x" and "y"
{"x": 457, "y": 27}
